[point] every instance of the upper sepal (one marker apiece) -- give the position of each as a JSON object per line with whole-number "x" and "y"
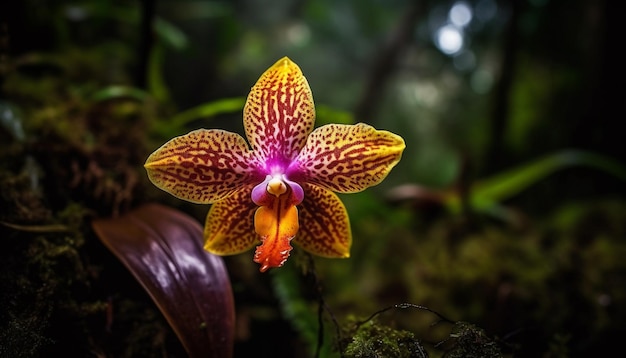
{"x": 279, "y": 113}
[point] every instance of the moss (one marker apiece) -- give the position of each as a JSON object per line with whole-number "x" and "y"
{"x": 38, "y": 274}
{"x": 72, "y": 162}
{"x": 471, "y": 341}
{"x": 372, "y": 339}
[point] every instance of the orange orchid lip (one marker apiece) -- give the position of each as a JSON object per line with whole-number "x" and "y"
{"x": 276, "y": 225}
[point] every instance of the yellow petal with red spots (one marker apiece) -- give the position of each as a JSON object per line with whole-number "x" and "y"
{"x": 276, "y": 224}
{"x": 325, "y": 227}
{"x": 347, "y": 158}
{"x": 279, "y": 113}
{"x": 229, "y": 225}
{"x": 203, "y": 166}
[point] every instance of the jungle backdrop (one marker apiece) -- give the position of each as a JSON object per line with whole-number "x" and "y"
{"x": 501, "y": 232}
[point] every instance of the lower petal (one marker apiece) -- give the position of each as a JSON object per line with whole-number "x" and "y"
{"x": 325, "y": 224}
{"x": 277, "y": 224}
{"x": 229, "y": 227}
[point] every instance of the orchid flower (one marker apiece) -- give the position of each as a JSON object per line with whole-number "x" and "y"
{"x": 281, "y": 187}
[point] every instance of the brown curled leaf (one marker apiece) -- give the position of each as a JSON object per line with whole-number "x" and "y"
{"x": 163, "y": 249}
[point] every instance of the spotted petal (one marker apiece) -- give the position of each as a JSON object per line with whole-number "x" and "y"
{"x": 229, "y": 225}
{"x": 279, "y": 114}
{"x": 325, "y": 229}
{"x": 203, "y": 166}
{"x": 347, "y": 158}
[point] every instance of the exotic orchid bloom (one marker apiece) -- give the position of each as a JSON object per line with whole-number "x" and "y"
{"x": 282, "y": 188}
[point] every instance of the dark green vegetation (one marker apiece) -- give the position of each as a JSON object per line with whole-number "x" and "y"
{"x": 507, "y": 214}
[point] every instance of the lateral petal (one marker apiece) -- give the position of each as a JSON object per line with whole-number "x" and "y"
{"x": 203, "y": 166}
{"x": 229, "y": 227}
{"x": 347, "y": 158}
{"x": 279, "y": 113}
{"x": 325, "y": 226}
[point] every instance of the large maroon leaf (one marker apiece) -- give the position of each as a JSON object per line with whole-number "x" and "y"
{"x": 162, "y": 248}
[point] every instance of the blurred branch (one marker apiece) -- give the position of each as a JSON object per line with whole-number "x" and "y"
{"x": 146, "y": 41}
{"x": 495, "y": 148}
{"x": 4, "y": 51}
{"x": 383, "y": 65}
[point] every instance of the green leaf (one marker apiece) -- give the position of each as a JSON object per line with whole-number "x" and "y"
{"x": 209, "y": 109}
{"x": 166, "y": 32}
{"x": 170, "y": 34}
{"x": 206, "y": 110}
{"x": 488, "y": 192}
{"x": 116, "y": 92}
{"x": 156, "y": 83}
{"x": 327, "y": 114}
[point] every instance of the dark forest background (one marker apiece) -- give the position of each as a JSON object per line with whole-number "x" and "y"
{"x": 507, "y": 213}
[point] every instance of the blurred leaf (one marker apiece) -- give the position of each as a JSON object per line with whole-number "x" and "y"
{"x": 487, "y": 194}
{"x": 210, "y": 109}
{"x": 170, "y": 34}
{"x": 206, "y": 110}
{"x": 163, "y": 249}
{"x": 167, "y": 35}
{"x": 326, "y": 115}
{"x": 115, "y": 92}
{"x": 492, "y": 190}
{"x": 165, "y": 31}
{"x": 156, "y": 83}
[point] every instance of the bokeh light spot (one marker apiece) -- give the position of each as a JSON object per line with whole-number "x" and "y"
{"x": 449, "y": 39}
